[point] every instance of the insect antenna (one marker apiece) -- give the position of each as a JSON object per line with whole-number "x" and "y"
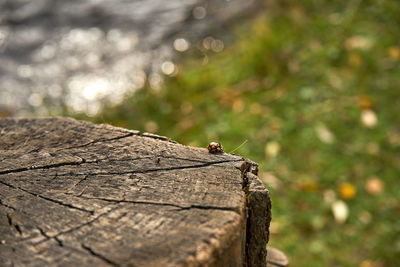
{"x": 244, "y": 142}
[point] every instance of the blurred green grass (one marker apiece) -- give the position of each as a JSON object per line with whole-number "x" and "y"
{"x": 314, "y": 88}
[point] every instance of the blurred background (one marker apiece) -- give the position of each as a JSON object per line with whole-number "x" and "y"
{"x": 312, "y": 85}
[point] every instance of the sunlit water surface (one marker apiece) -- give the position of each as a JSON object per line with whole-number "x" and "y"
{"x": 81, "y": 54}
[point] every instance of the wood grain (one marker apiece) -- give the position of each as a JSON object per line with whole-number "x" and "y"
{"x": 75, "y": 193}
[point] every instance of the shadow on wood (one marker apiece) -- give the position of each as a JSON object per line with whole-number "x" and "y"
{"x": 74, "y": 193}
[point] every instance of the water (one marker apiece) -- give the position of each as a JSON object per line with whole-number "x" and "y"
{"x": 80, "y": 54}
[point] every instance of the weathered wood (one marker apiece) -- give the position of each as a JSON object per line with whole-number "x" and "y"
{"x": 276, "y": 258}
{"x": 74, "y": 193}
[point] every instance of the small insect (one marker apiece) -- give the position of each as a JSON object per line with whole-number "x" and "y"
{"x": 214, "y": 147}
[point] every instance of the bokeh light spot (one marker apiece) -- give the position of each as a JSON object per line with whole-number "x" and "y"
{"x": 181, "y": 45}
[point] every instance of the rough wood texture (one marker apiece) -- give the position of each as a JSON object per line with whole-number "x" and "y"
{"x": 78, "y": 194}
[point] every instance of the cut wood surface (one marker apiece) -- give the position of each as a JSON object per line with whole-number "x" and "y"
{"x": 73, "y": 193}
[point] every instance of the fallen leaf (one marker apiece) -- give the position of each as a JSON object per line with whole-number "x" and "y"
{"x": 347, "y": 191}
{"x": 309, "y": 186}
{"x": 324, "y": 134}
{"x": 374, "y": 186}
{"x": 340, "y": 211}
{"x": 364, "y": 102}
{"x": 394, "y": 52}
{"x": 369, "y": 118}
{"x": 272, "y": 149}
{"x": 358, "y": 42}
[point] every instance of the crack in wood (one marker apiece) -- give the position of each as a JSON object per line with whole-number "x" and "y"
{"x": 57, "y": 235}
{"x": 91, "y": 212}
{"x": 186, "y": 167}
{"x": 83, "y": 161}
{"x": 43, "y": 233}
{"x": 86, "y": 223}
{"x": 168, "y": 169}
{"x": 102, "y": 140}
{"x": 245, "y": 187}
{"x": 185, "y": 159}
{"x": 134, "y": 202}
{"x": 55, "y": 177}
{"x": 180, "y": 207}
{"x": 47, "y": 237}
{"x": 205, "y": 164}
{"x": 12, "y": 224}
{"x": 9, "y": 219}
{"x": 7, "y": 206}
{"x": 56, "y": 165}
{"x": 157, "y": 159}
{"x": 205, "y": 207}
{"x": 82, "y": 180}
{"x": 98, "y": 255}
{"x": 59, "y": 241}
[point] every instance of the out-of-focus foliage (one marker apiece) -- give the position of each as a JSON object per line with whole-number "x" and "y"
{"x": 314, "y": 88}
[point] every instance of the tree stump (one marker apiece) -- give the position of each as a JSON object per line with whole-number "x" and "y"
{"x": 73, "y": 193}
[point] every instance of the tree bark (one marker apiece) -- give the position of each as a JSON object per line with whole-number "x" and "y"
{"x": 75, "y": 193}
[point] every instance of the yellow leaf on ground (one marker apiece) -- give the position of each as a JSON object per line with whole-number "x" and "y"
{"x": 347, "y": 190}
